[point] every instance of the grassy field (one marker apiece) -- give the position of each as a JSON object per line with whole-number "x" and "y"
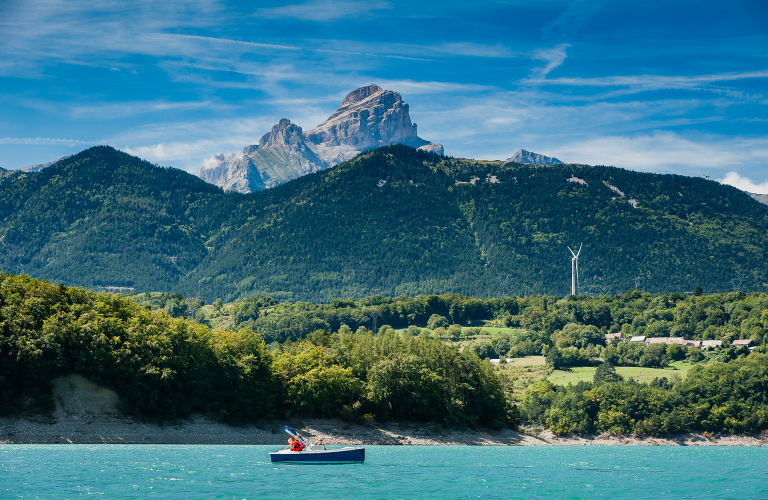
{"x": 586, "y": 373}
{"x": 522, "y": 372}
{"x": 527, "y": 361}
{"x": 495, "y": 330}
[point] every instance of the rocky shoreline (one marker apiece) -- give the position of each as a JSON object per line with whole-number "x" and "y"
{"x": 114, "y": 429}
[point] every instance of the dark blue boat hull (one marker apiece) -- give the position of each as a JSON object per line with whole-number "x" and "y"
{"x": 343, "y": 456}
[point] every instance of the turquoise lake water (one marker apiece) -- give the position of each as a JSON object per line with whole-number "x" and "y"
{"x": 237, "y": 472}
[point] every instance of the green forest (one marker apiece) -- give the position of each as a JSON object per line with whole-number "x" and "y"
{"x": 416, "y": 366}
{"x": 393, "y": 221}
{"x": 166, "y": 367}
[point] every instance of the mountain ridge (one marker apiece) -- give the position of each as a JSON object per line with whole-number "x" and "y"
{"x": 391, "y": 221}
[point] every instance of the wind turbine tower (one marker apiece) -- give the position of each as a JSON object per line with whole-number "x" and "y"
{"x": 575, "y": 269}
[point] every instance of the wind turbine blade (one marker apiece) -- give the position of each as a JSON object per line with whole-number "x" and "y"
{"x": 569, "y": 248}
{"x": 579, "y": 249}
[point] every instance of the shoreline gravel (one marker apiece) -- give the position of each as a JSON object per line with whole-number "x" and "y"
{"x": 87, "y": 413}
{"x": 199, "y": 429}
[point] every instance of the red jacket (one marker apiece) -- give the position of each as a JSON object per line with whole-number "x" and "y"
{"x": 297, "y": 446}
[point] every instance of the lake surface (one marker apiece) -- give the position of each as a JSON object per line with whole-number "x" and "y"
{"x": 237, "y": 472}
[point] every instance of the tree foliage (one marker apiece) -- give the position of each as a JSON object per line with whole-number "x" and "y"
{"x": 169, "y": 367}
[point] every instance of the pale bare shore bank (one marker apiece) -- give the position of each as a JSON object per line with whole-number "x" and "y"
{"x": 114, "y": 429}
{"x": 87, "y": 414}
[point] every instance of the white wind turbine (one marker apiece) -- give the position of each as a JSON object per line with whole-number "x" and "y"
{"x": 575, "y": 269}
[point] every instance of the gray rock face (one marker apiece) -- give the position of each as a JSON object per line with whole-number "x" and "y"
{"x": 40, "y": 166}
{"x": 280, "y": 156}
{"x": 432, "y": 147}
{"x": 524, "y": 156}
{"x": 369, "y": 117}
{"x": 762, "y": 198}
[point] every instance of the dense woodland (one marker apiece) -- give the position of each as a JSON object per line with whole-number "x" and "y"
{"x": 391, "y": 222}
{"x": 168, "y": 367}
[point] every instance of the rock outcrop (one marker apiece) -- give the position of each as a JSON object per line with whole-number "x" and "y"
{"x": 524, "y": 156}
{"x": 432, "y": 147}
{"x": 369, "y": 117}
{"x": 40, "y": 166}
{"x": 281, "y": 155}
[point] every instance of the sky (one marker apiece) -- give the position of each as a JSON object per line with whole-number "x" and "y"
{"x": 658, "y": 86}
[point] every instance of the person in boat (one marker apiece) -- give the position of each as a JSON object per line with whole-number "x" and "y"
{"x": 295, "y": 444}
{"x": 320, "y": 443}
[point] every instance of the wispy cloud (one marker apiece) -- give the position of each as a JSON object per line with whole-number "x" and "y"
{"x": 653, "y": 82}
{"x": 223, "y": 41}
{"x": 573, "y": 18}
{"x": 667, "y": 152}
{"x": 744, "y": 183}
{"x": 554, "y": 58}
{"x": 42, "y": 141}
{"x": 322, "y": 10}
{"x": 112, "y": 110}
{"x": 290, "y": 48}
{"x": 426, "y": 87}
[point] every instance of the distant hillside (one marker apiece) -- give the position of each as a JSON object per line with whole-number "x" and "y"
{"x": 391, "y": 221}
{"x": 102, "y": 218}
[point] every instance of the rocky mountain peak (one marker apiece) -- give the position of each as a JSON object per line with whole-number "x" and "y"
{"x": 369, "y": 117}
{"x": 523, "y": 156}
{"x": 360, "y": 94}
{"x": 284, "y": 132}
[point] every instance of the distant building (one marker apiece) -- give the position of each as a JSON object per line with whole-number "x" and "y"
{"x": 713, "y": 344}
{"x": 639, "y": 338}
{"x": 692, "y": 343}
{"x": 611, "y": 336}
{"x": 739, "y": 343}
{"x": 664, "y": 340}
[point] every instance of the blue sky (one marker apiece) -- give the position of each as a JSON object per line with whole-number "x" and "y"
{"x": 655, "y": 86}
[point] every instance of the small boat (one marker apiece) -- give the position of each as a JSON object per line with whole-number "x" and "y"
{"x": 317, "y": 454}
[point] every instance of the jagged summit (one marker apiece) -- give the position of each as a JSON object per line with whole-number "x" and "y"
{"x": 360, "y": 94}
{"x": 283, "y": 133}
{"x": 369, "y": 117}
{"x": 523, "y": 156}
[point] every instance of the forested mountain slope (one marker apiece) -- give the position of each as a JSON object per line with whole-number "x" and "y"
{"x": 102, "y": 218}
{"x": 391, "y": 221}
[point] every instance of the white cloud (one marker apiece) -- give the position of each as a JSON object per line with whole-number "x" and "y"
{"x": 111, "y": 110}
{"x": 326, "y": 10}
{"x": 744, "y": 183}
{"x": 667, "y": 152}
{"x": 42, "y": 141}
{"x": 554, "y": 58}
{"x": 224, "y": 41}
{"x": 573, "y": 18}
{"x": 416, "y": 87}
{"x": 653, "y": 82}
